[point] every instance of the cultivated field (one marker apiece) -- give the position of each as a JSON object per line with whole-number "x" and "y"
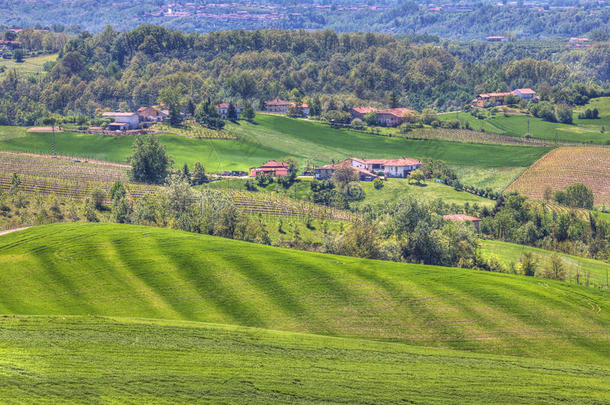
{"x": 75, "y": 178}
{"x": 467, "y": 136}
{"x": 117, "y": 360}
{"x": 134, "y": 271}
{"x": 565, "y": 166}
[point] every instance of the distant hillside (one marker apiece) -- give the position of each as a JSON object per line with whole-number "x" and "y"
{"x": 464, "y": 20}
{"x": 134, "y": 271}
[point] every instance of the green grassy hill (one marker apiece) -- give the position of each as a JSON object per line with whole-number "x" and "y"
{"x": 94, "y": 359}
{"x": 133, "y": 271}
{"x": 275, "y": 137}
{"x": 508, "y": 253}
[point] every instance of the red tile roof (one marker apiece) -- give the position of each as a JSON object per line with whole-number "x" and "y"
{"x": 525, "y": 91}
{"x": 278, "y": 102}
{"x": 461, "y": 217}
{"x": 364, "y": 110}
{"x": 487, "y": 95}
{"x": 402, "y": 162}
{"x": 226, "y": 105}
{"x": 274, "y": 164}
{"x": 397, "y": 112}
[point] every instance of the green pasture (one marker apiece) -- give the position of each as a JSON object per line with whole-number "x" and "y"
{"x": 135, "y": 271}
{"x": 29, "y": 65}
{"x": 67, "y": 359}
{"x": 474, "y": 123}
{"x": 507, "y": 253}
{"x": 275, "y": 137}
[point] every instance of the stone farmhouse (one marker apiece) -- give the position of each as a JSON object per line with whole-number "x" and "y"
{"x": 223, "y": 110}
{"x": 370, "y": 169}
{"x": 389, "y": 117}
{"x": 498, "y": 98}
{"x": 152, "y": 114}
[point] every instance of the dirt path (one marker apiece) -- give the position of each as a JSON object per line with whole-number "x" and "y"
{"x": 13, "y": 230}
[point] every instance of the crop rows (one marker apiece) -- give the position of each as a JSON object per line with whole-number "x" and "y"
{"x": 70, "y": 188}
{"x": 469, "y": 136}
{"x": 270, "y": 204}
{"x": 568, "y": 165}
{"x": 62, "y": 168}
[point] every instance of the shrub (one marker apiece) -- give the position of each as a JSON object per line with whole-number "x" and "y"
{"x": 528, "y": 264}
{"x": 98, "y": 197}
{"x": 357, "y": 123}
{"x": 250, "y": 185}
{"x": 378, "y": 184}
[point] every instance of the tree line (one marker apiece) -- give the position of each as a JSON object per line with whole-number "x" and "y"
{"x": 329, "y": 71}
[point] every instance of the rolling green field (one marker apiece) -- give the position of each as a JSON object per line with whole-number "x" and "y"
{"x": 511, "y": 252}
{"x": 134, "y": 271}
{"x": 275, "y": 137}
{"x": 394, "y": 189}
{"x": 29, "y": 65}
{"x": 116, "y": 360}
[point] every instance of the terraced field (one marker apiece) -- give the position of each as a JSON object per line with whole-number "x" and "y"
{"x": 565, "y": 166}
{"x": 133, "y": 271}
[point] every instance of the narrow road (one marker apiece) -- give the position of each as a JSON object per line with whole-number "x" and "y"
{"x": 13, "y": 230}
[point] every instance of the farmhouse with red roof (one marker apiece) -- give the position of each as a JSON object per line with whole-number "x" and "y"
{"x": 282, "y": 106}
{"x": 463, "y": 217}
{"x": 388, "y": 117}
{"x": 272, "y": 167}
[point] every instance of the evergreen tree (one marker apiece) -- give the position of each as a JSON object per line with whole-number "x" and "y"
{"x": 231, "y": 113}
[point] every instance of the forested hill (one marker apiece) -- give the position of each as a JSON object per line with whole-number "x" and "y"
{"x": 343, "y": 70}
{"x": 465, "y": 19}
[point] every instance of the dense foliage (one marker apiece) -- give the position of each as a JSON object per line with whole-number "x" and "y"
{"x": 331, "y": 72}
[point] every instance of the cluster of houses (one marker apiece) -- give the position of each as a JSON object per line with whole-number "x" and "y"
{"x": 498, "y": 98}
{"x": 370, "y": 169}
{"x": 367, "y": 169}
{"x": 389, "y": 117}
